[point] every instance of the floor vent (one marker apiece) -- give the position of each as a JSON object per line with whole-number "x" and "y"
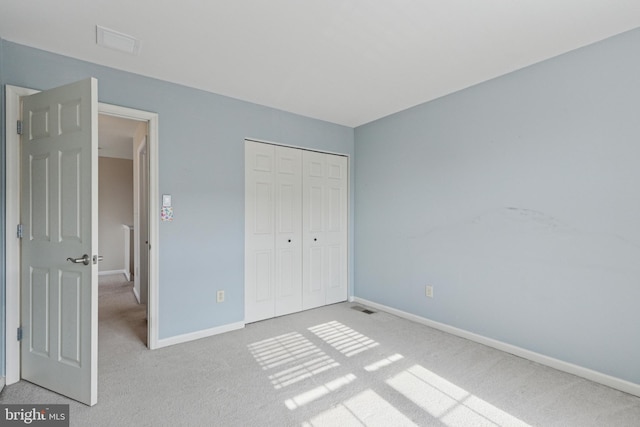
{"x": 362, "y": 309}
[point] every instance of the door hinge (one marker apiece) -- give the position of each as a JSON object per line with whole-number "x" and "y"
{"x": 19, "y": 127}
{"x": 20, "y": 231}
{"x": 19, "y": 335}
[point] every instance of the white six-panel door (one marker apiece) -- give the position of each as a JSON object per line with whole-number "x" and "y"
{"x": 295, "y": 230}
{"x": 314, "y": 206}
{"x": 324, "y": 229}
{"x": 273, "y": 267}
{"x": 288, "y": 230}
{"x": 259, "y": 231}
{"x": 59, "y": 214}
{"x": 335, "y": 231}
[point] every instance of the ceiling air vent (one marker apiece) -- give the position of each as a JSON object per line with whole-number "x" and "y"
{"x": 116, "y": 40}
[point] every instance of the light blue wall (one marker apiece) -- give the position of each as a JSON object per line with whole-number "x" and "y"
{"x": 201, "y": 166}
{"x": 519, "y": 201}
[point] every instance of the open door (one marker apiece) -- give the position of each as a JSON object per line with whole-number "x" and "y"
{"x": 59, "y": 273}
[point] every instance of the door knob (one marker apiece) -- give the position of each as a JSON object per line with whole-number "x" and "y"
{"x": 84, "y": 260}
{"x": 97, "y": 258}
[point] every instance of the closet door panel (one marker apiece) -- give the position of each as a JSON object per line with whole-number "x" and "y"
{"x": 335, "y": 235}
{"x": 262, "y": 277}
{"x": 259, "y": 231}
{"x": 313, "y": 223}
{"x": 288, "y": 233}
{"x": 334, "y": 266}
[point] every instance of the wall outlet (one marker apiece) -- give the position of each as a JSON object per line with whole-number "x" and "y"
{"x": 220, "y": 296}
{"x": 428, "y": 291}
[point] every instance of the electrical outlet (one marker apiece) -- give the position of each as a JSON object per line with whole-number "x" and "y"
{"x": 429, "y": 291}
{"x": 220, "y": 296}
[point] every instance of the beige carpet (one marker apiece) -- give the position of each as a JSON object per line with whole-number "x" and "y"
{"x": 333, "y": 366}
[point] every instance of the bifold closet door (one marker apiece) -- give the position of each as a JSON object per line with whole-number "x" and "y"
{"x": 288, "y": 235}
{"x": 324, "y": 225}
{"x": 273, "y": 243}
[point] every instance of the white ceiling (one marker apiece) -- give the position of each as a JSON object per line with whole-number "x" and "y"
{"x": 343, "y": 61}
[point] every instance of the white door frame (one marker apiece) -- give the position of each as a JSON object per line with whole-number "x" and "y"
{"x": 137, "y": 240}
{"x": 12, "y": 168}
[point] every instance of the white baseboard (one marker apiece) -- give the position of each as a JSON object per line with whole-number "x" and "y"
{"x": 110, "y": 272}
{"x": 595, "y": 376}
{"x": 199, "y": 334}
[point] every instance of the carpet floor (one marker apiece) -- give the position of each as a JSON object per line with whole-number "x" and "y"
{"x": 332, "y": 366}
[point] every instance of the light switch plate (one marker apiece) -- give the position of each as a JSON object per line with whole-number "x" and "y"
{"x": 166, "y": 200}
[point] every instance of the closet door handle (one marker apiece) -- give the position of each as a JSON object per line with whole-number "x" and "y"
{"x": 289, "y": 240}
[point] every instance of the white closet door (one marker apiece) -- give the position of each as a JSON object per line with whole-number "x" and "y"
{"x": 335, "y": 235}
{"x": 288, "y": 230}
{"x": 313, "y": 292}
{"x": 324, "y": 229}
{"x": 295, "y": 230}
{"x": 273, "y": 231}
{"x": 259, "y": 231}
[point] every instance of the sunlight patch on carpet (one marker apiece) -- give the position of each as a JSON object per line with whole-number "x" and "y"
{"x": 318, "y": 392}
{"x": 297, "y": 357}
{"x": 342, "y": 338}
{"x": 302, "y": 371}
{"x": 366, "y": 408}
{"x": 283, "y": 349}
{"x": 383, "y": 363}
{"x": 447, "y": 402}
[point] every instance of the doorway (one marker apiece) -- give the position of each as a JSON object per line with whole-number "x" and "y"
{"x": 12, "y": 297}
{"x": 123, "y": 204}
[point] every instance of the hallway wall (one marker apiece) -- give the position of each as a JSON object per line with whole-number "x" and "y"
{"x": 115, "y": 208}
